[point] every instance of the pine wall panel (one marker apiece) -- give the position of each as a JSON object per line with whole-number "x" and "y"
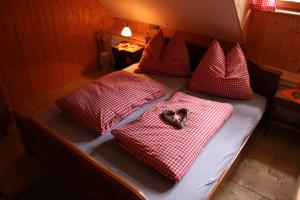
{"x": 140, "y": 30}
{"x": 274, "y": 40}
{"x": 45, "y": 43}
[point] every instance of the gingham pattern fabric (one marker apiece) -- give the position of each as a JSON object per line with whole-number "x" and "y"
{"x": 171, "y": 59}
{"x": 169, "y": 150}
{"x": 155, "y": 47}
{"x": 103, "y": 103}
{"x": 223, "y": 76}
{"x": 265, "y": 5}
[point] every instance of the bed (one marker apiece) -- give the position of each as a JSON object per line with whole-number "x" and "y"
{"x": 98, "y": 166}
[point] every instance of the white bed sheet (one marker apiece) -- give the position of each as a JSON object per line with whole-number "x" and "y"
{"x": 205, "y": 171}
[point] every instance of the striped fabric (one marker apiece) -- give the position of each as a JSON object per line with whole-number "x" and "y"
{"x": 167, "y": 149}
{"x": 266, "y": 5}
{"x": 223, "y": 76}
{"x": 105, "y": 102}
{"x": 171, "y": 59}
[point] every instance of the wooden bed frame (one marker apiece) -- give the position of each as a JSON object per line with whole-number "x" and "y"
{"x": 97, "y": 180}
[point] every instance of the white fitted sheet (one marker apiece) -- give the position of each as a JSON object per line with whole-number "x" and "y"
{"x": 205, "y": 171}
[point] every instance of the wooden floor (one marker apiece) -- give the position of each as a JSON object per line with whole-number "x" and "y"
{"x": 268, "y": 170}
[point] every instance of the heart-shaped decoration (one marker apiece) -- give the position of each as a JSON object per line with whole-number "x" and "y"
{"x": 177, "y": 118}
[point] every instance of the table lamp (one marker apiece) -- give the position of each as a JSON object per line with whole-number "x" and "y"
{"x": 126, "y": 32}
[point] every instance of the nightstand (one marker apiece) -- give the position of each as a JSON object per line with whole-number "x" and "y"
{"x": 126, "y": 54}
{"x": 286, "y": 109}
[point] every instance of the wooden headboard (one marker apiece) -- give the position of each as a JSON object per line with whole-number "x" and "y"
{"x": 196, "y": 53}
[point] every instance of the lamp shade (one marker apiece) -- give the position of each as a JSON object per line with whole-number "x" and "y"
{"x": 126, "y": 32}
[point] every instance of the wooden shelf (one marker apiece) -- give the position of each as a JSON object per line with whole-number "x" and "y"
{"x": 286, "y": 76}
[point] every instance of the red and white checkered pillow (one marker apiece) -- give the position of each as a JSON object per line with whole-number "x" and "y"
{"x": 155, "y": 47}
{"x": 223, "y": 76}
{"x": 171, "y": 59}
{"x": 100, "y": 105}
{"x": 169, "y": 150}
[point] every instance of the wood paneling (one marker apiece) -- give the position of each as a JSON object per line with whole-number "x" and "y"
{"x": 140, "y": 30}
{"x": 45, "y": 43}
{"x": 211, "y": 18}
{"x": 5, "y": 119}
{"x": 243, "y": 11}
{"x": 11, "y": 148}
{"x": 274, "y": 40}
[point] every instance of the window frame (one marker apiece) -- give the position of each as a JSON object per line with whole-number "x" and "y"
{"x": 288, "y": 5}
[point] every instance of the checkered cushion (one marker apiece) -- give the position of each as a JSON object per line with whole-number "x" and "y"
{"x": 171, "y": 59}
{"x": 223, "y": 76}
{"x": 155, "y": 47}
{"x": 169, "y": 150}
{"x": 103, "y": 103}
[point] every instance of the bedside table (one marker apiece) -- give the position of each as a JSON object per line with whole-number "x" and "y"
{"x": 284, "y": 100}
{"x": 283, "y": 107}
{"x": 126, "y": 54}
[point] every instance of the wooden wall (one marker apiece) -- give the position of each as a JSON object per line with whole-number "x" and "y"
{"x": 4, "y": 113}
{"x": 274, "y": 40}
{"x": 44, "y": 43}
{"x": 140, "y": 30}
{"x": 211, "y": 18}
{"x": 243, "y": 11}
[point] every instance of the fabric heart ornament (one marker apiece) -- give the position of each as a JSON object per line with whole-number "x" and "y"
{"x": 177, "y": 118}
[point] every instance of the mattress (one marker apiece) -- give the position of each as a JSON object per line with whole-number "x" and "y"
{"x": 206, "y": 170}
